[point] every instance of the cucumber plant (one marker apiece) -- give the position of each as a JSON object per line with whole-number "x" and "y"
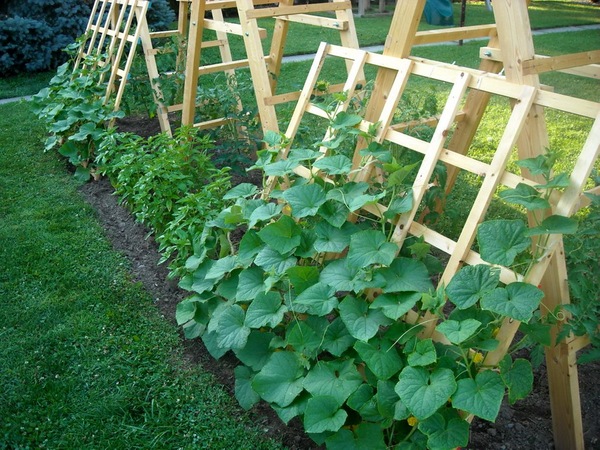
{"x": 312, "y": 302}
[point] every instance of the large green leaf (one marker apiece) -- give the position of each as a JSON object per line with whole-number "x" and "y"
{"x": 517, "y": 376}
{"x": 370, "y": 247}
{"x": 458, "y": 331}
{"x": 334, "y": 213}
{"x": 249, "y": 247}
{"x": 362, "y": 322}
{"x": 333, "y": 239}
{"x": 471, "y": 283}
{"x": 200, "y": 283}
{"x": 560, "y": 180}
{"x": 282, "y": 236}
{"x": 339, "y": 275}
{"x": 365, "y": 436}
{"x": 232, "y": 332}
{"x": 323, "y": 414}
{"x": 344, "y": 119}
{"x": 481, "y": 396}
{"x": 334, "y": 165}
{"x": 210, "y": 342}
{"x": 517, "y": 301}
{"x": 296, "y": 408}
{"x": 500, "y": 241}
{"x": 395, "y": 305}
{"x": 305, "y": 200}
{"x": 264, "y": 213}
{"x": 302, "y": 277}
{"x": 389, "y": 404}
{"x": 406, "y": 275}
{"x": 280, "y": 380}
{"x": 337, "y": 379}
{"x": 243, "y": 391}
{"x": 266, "y": 309}
{"x": 380, "y": 356}
{"x": 280, "y": 168}
{"x": 257, "y": 351}
{"x": 221, "y": 267}
{"x": 526, "y": 196}
{"x": 399, "y": 205}
{"x": 540, "y": 165}
{"x": 424, "y": 393}
{"x": 555, "y": 224}
{"x": 241, "y": 190}
{"x": 250, "y": 284}
{"x": 363, "y": 401}
{"x": 274, "y": 262}
{"x": 353, "y": 195}
{"x": 337, "y": 338}
{"x": 445, "y": 431}
{"x": 304, "y": 338}
{"x": 423, "y": 354}
{"x": 318, "y": 300}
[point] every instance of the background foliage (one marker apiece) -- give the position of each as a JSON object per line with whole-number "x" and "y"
{"x": 34, "y": 32}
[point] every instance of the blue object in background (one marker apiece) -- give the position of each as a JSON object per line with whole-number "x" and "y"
{"x": 439, "y": 12}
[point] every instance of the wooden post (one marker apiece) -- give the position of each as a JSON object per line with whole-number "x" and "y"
{"x": 516, "y": 42}
{"x": 196, "y": 27}
{"x": 398, "y": 43}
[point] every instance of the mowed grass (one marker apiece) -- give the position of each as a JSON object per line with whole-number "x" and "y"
{"x": 86, "y": 359}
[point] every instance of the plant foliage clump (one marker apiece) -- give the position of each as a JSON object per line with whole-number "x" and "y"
{"x": 169, "y": 183}
{"x": 321, "y": 305}
{"x": 76, "y": 114}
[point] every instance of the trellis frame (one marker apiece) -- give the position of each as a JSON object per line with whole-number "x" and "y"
{"x": 264, "y": 68}
{"x": 526, "y": 130}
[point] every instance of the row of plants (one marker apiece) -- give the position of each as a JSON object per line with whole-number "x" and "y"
{"x": 310, "y": 293}
{"x": 313, "y": 301}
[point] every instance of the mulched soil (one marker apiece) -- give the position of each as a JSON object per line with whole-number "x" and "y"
{"x": 526, "y": 425}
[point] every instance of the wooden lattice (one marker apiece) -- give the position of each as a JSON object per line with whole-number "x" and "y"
{"x": 463, "y": 83}
{"x": 113, "y": 32}
{"x": 264, "y": 68}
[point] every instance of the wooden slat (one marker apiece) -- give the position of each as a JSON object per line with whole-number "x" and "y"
{"x": 220, "y": 67}
{"x": 435, "y": 147}
{"x": 163, "y": 34}
{"x": 547, "y": 64}
{"x": 230, "y": 28}
{"x": 207, "y": 125}
{"x": 213, "y": 43}
{"x": 427, "y": 121}
{"x": 583, "y": 68}
{"x": 298, "y": 9}
{"x": 454, "y": 34}
{"x": 490, "y": 183}
{"x": 324, "y": 22}
{"x": 212, "y": 5}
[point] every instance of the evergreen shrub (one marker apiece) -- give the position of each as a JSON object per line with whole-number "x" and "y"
{"x": 33, "y": 33}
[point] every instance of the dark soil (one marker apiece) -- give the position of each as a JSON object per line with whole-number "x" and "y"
{"x": 527, "y": 425}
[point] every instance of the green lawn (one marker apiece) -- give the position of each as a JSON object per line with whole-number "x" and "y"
{"x": 86, "y": 359}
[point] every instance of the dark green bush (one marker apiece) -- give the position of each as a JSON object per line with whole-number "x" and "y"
{"x": 20, "y": 49}
{"x": 34, "y": 32}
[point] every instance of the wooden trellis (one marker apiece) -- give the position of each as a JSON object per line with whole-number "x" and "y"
{"x": 113, "y": 31}
{"x": 525, "y": 129}
{"x": 264, "y": 69}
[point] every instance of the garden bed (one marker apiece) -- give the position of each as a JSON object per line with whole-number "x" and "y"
{"x": 527, "y": 424}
